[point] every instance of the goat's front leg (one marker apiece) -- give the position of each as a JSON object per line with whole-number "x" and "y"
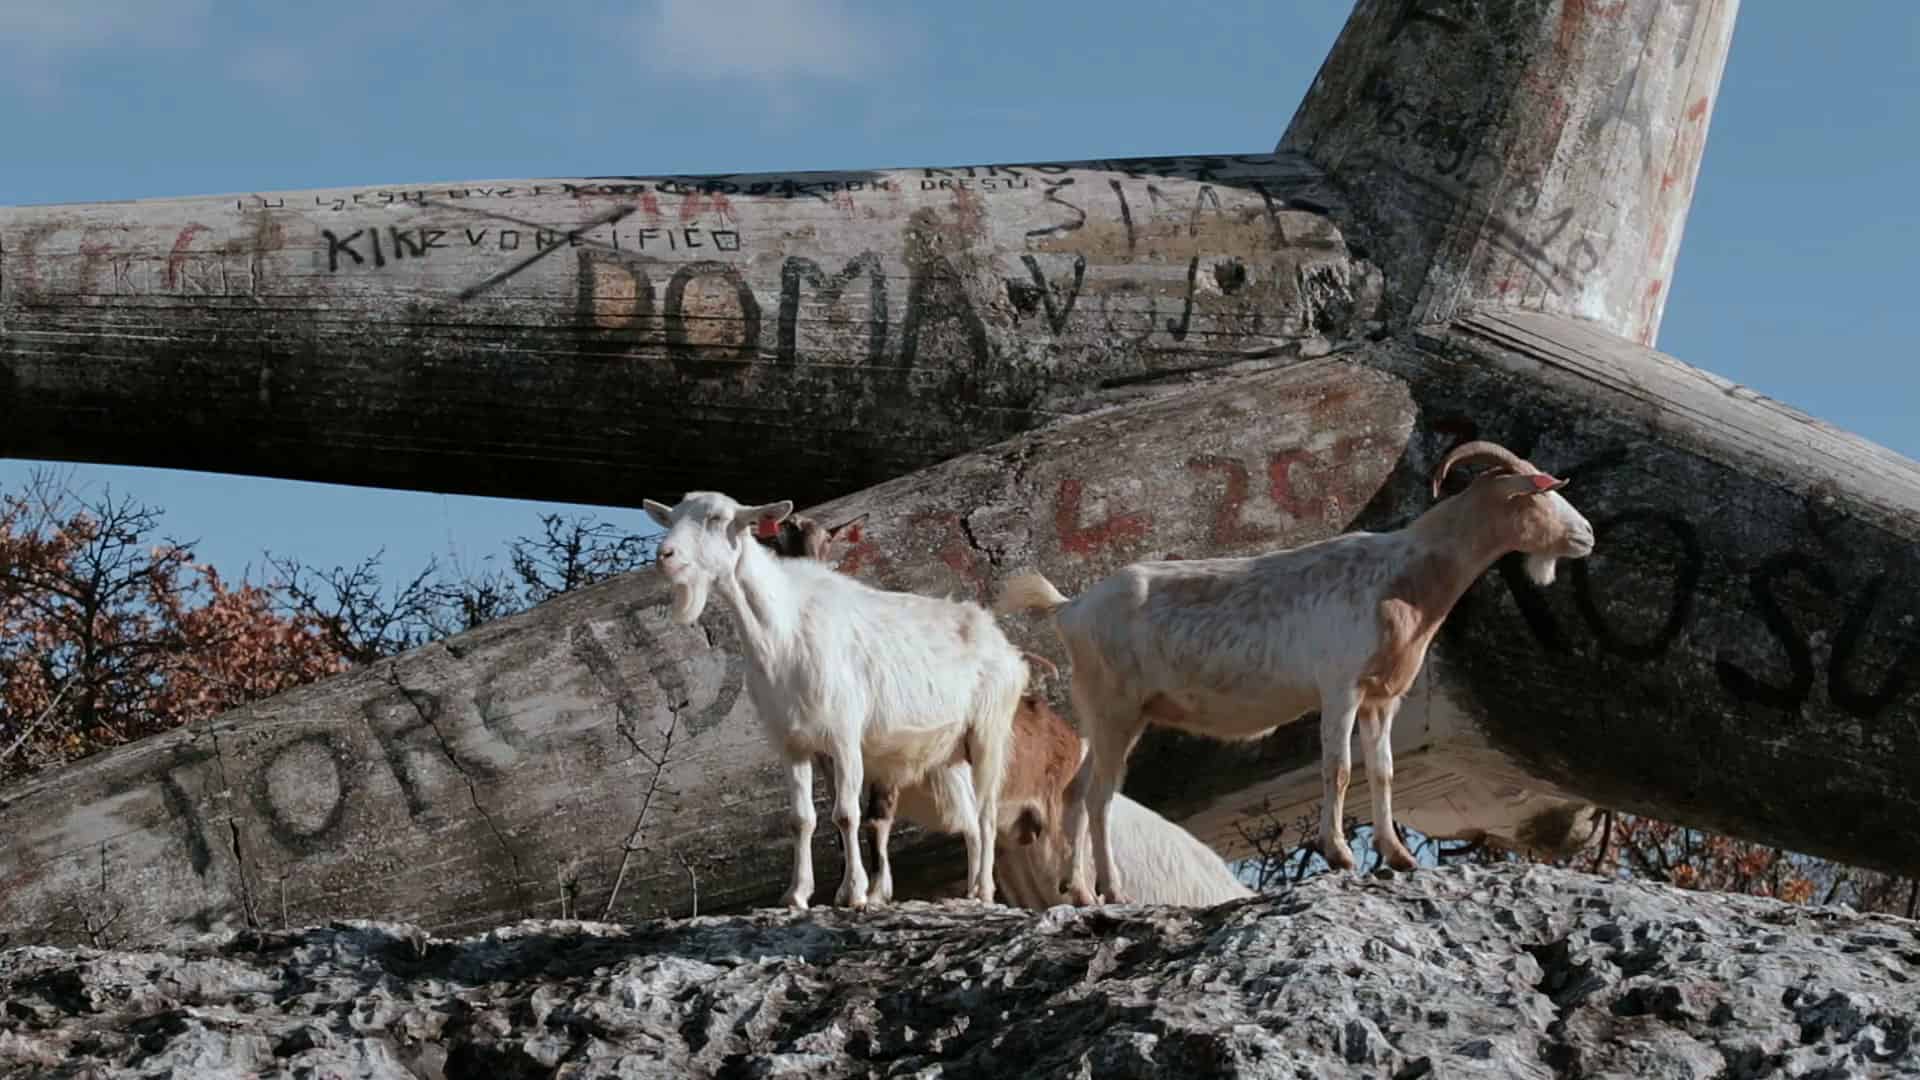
{"x": 800, "y": 789}
{"x": 882, "y": 801}
{"x": 1376, "y": 742}
{"x": 1338, "y": 710}
{"x": 847, "y": 787}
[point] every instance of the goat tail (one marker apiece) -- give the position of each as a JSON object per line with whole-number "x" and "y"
{"x": 1035, "y": 662}
{"x": 1029, "y": 592}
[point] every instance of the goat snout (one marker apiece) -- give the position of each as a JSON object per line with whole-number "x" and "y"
{"x": 665, "y": 553}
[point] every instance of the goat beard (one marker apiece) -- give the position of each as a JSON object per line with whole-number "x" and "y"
{"x": 1541, "y": 569}
{"x": 689, "y": 600}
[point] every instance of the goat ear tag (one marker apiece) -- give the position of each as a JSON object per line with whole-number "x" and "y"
{"x": 1543, "y": 482}
{"x": 766, "y": 528}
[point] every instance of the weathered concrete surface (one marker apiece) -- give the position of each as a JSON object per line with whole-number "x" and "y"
{"x": 799, "y": 335}
{"x": 1465, "y": 972}
{"x": 463, "y": 783}
{"x": 1704, "y": 668}
{"x": 1520, "y": 153}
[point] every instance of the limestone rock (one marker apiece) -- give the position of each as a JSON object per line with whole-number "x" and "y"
{"x": 1515, "y": 971}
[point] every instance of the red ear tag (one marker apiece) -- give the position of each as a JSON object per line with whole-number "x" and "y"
{"x": 853, "y": 534}
{"x": 1541, "y": 481}
{"x": 765, "y": 529}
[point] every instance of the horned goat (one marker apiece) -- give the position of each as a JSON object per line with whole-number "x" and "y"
{"x": 1172, "y": 865}
{"x": 1233, "y": 648}
{"x": 891, "y": 686}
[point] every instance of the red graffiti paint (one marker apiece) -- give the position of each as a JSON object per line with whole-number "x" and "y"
{"x": 1337, "y": 477}
{"x": 178, "y": 256}
{"x": 1078, "y": 539}
{"x": 650, "y": 206}
{"x": 862, "y": 554}
{"x": 1229, "y": 529}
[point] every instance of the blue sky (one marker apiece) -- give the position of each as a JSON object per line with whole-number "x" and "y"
{"x": 1794, "y": 273}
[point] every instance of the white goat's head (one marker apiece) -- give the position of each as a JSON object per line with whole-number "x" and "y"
{"x": 1524, "y": 504}
{"x": 707, "y": 533}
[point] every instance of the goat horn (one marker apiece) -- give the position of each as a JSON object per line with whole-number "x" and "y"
{"x": 861, "y": 516}
{"x": 1479, "y": 452}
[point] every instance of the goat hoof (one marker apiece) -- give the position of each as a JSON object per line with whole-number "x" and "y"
{"x": 1339, "y": 857}
{"x": 796, "y": 901}
{"x": 1081, "y": 896}
{"x": 1401, "y": 860}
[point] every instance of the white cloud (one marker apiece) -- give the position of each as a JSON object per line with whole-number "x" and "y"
{"x": 773, "y": 39}
{"x": 41, "y": 26}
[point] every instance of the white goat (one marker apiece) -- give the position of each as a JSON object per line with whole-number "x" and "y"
{"x": 890, "y": 685}
{"x": 1169, "y": 863}
{"x": 1233, "y": 648}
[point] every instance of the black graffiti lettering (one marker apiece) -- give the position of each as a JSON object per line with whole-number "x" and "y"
{"x": 1841, "y": 690}
{"x": 1792, "y": 641}
{"x": 474, "y": 239}
{"x": 623, "y": 314}
{"x": 405, "y": 243}
{"x": 1592, "y": 262}
{"x": 1026, "y": 297}
{"x": 336, "y": 246}
{"x": 1533, "y": 606}
{"x": 670, "y": 676}
{"x": 1415, "y": 11}
{"x": 1179, "y": 329}
{"x": 1685, "y": 583}
{"x": 505, "y": 234}
{"x": 404, "y": 723}
{"x": 1126, "y": 212}
{"x": 1205, "y": 195}
{"x": 1560, "y": 221}
{"x": 798, "y": 269}
{"x": 294, "y": 835}
{"x": 681, "y": 349}
{"x": 936, "y": 294}
{"x": 373, "y": 238}
{"x": 1052, "y": 195}
{"x": 180, "y": 807}
{"x": 725, "y": 239}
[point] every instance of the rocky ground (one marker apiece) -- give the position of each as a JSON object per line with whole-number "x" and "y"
{"x": 1517, "y": 971}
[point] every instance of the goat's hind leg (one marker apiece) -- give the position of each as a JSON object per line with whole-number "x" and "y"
{"x": 1112, "y": 733}
{"x": 1338, "y": 710}
{"x": 882, "y": 801}
{"x": 1376, "y": 742}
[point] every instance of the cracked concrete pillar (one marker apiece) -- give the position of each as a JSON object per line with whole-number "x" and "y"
{"x": 1536, "y": 154}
